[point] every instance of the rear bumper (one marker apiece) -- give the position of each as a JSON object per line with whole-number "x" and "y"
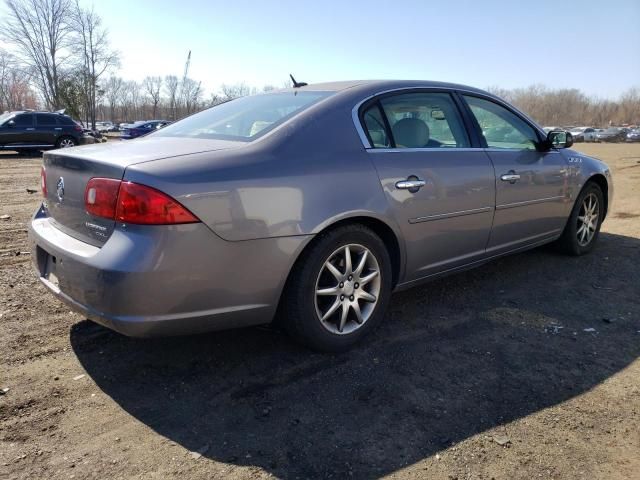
{"x": 164, "y": 280}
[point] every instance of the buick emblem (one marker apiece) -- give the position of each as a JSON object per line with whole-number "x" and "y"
{"x": 60, "y": 189}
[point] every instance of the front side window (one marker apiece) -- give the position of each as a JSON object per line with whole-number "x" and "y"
{"x": 23, "y": 120}
{"x": 245, "y": 118}
{"x": 66, "y": 120}
{"x": 502, "y": 128}
{"x": 416, "y": 120}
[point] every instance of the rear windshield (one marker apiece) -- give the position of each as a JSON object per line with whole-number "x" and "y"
{"x": 243, "y": 119}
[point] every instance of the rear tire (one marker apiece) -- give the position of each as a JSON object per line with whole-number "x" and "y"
{"x": 583, "y": 227}
{"x": 66, "y": 142}
{"x": 332, "y": 318}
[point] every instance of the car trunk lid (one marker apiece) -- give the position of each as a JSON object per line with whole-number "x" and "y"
{"x": 67, "y": 172}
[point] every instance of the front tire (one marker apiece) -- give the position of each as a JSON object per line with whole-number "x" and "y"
{"x": 583, "y": 227}
{"x": 339, "y": 289}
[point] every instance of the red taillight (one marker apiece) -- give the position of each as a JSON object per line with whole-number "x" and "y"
{"x": 100, "y": 197}
{"x": 43, "y": 182}
{"x": 146, "y": 205}
{"x": 77, "y": 128}
{"x": 130, "y": 202}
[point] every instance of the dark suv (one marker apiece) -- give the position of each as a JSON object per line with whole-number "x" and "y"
{"x": 21, "y": 131}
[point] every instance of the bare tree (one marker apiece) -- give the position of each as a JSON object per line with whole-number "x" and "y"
{"x": 236, "y": 90}
{"x": 153, "y": 87}
{"x": 95, "y": 53}
{"x": 113, "y": 90}
{"x": 191, "y": 95}
{"x": 15, "y": 91}
{"x": 171, "y": 86}
{"x": 39, "y": 31}
{"x": 130, "y": 100}
{"x": 570, "y": 106}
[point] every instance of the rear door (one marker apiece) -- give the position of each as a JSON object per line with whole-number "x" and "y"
{"x": 531, "y": 185}
{"x": 439, "y": 183}
{"x": 47, "y": 128}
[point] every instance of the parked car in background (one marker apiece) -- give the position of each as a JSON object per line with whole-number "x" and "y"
{"x": 633, "y": 135}
{"x": 243, "y": 210}
{"x": 22, "y": 131}
{"x": 612, "y": 134}
{"x": 550, "y": 129}
{"x": 104, "y": 126}
{"x": 583, "y": 134}
{"x": 142, "y": 128}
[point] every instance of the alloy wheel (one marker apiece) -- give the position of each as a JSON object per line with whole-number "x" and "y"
{"x": 347, "y": 289}
{"x": 66, "y": 143}
{"x": 588, "y": 218}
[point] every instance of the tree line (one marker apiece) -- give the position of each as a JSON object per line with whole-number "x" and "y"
{"x": 61, "y": 57}
{"x": 570, "y": 106}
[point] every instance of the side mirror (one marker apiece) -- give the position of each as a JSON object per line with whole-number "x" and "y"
{"x": 559, "y": 139}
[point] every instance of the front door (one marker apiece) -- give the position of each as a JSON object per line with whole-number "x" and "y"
{"x": 440, "y": 189}
{"x": 531, "y": 185}
{"x": 19, "y": 131}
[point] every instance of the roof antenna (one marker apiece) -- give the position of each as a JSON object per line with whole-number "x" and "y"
{"x": 297, "y": 84}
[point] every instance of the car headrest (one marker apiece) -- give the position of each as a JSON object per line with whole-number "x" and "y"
{"x": 410, "y": 133}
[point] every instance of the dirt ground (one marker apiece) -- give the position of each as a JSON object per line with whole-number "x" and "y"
{"x": 491, "y": 373}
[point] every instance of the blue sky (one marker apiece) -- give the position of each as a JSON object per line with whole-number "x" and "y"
{"x": 587, "y": 44}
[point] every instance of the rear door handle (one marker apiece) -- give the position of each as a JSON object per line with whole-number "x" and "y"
{"x": 30, "y": 128}
{"x": 511, "y": 177}
{"x": 411, "y": 184}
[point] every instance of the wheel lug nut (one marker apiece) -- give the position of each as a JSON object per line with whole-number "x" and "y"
{"x": 341, "y": 297}
{"x": 356, "y": 285}
{"x": 351, "y": 298}
{"x": 350, "y": 277}
{"x": 341, "y": 285}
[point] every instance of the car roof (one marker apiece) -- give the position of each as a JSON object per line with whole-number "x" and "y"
{"x": 16, "y": 112}
{"x": 381, "y": 84}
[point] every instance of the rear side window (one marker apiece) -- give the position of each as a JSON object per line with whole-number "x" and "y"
{"x": 66, "y": 120}
{"x": 501, "y": 127}
{"x": 417, "y": 120}
{"x": 375, "y": 127}
{"x": 44, "y": 120}
{"x": 23, "y": 120}
{"x": 245, "y": 118}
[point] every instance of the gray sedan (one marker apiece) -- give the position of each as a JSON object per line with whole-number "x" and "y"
{"x": 308, "y": 205}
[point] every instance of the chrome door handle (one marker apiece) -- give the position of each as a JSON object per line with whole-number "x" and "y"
{"x": 30, "y": 128}
{"x": 58, "y": 128}
{"x": 410, "y": 184}
{"x": 511, "y": 177}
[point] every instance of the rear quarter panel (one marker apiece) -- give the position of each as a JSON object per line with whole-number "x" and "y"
{"x": 310, "y": 173}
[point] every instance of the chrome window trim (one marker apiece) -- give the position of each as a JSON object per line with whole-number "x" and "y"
{"x": 452, "y": 149}
{"x": 425, "y": 149}
{"x": 495, "y": 149}
{"x": 451, "y": 90}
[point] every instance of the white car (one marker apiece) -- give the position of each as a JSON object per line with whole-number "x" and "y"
{"x": 104, "y": 126}
{"x": 583, "y": 134}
